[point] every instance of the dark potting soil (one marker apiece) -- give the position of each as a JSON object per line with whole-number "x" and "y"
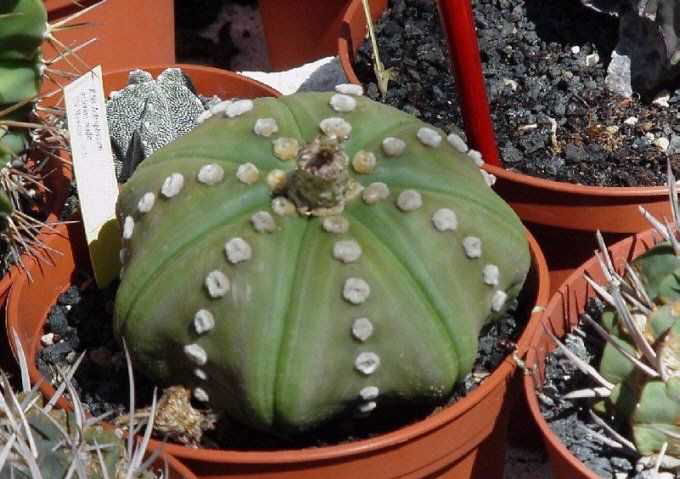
{"x": 541, "y": 76}
{"x": 81, "y": 321}
{"x": 570, "y": 419}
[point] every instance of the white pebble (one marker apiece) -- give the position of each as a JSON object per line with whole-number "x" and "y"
{"x": 429, "y": 137}
{"x": 276, "y": 180}
{"x": 220, "y": 107}
{"x": 128, "y": 227}
{"x": 367, "y": 363}
{"x": 356, "y": 290}
{"x": 393, "y": 146}
{"x": 662, "y": 99}
{"x": 238, "y": 107}
{"x": 362, "y": 329}
{"x": 204, "y": 116}
{"x": 363, "y": 162}
{"x": 282, "y": 206}
{"x": 509, "y": 82}
{"x": 575, "y": 49}
{"x": 375, "y": 192}
{"x": 489, "y": 179}
{"x": 210, "y": 174}
{"x": 172, "y": 185}
{"x": 265, "y": 127}
{"x": 347, "y": 251}
{"x": 457, "y": 142}
{"x": 444, "y": 219}
{"x": 662, "y": 143}
{"x": 286, "y": 148}
{"x": 335, "y": 224}
{"x": 146, "y": 202}
{"x": 592, "y": 59}
{"x": 409, "y": 200}
{"x": 247, "y": 173}
{"x": 491, "y": 274}
{"x": 343, "y": 103}
{"x": 335, "y": 126}
{"x": 200, "y": 374}
{"x": 476, "y": 156}
{"x": 369, "y": 393}
{"x": 630, "y": 121}
{"x": 204, "y": 321}
{"x": 367, "y": 407}
{"x": 47, "y": 339}
{"x": 263, "y": 222}
{"x": 498, "y": 300}
{"x": 238, "y": 250}
{"x": 196, "y": 354}
{"x": 350, "y": 89}
{"x": 472, "y": 246}
{"x": 217, "y": 284}
{"x": 201, "y": 395}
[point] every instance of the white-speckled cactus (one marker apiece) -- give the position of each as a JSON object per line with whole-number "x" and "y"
{"x": 295, "y": 258}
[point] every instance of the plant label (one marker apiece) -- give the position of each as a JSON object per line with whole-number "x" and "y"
{"x": 94, "y": 171}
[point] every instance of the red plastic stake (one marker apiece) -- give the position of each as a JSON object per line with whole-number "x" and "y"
{"x": 459, "y": 25}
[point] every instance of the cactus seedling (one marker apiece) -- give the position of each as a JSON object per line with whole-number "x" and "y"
{"x": 295, "y": 259}
{"x": 638, "y": 380}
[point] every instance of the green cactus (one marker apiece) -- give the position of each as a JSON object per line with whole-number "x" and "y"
{"x": 297, "y": 258}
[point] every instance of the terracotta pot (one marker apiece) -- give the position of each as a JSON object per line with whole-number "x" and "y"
{"x": 301, "y": 31}
{"x": 561, "y": 315}
{"x": 128, "y": 32}
{"x": 432, "y": 446}
{"x": 562, "y": 216}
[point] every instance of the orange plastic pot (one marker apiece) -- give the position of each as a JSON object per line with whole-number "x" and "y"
{"x": 301, "y": 31}
{"x": 561, "y": 315}
{"x": 127, "y": 32}
{"x": 466, "y": 439}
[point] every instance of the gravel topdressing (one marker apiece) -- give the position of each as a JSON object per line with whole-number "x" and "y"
{"x": 544, "y": 64}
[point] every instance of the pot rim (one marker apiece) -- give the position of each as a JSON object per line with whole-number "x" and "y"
{"x": 557, "y": 302}
{"x": 395, "y": 438}
{"x": 346, "y": 55}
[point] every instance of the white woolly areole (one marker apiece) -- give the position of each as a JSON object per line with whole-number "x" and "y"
{"x": 265, "y": 127}
{"x": 196, "y": 354}
{"x": 200, "y": 374}
{"x": 343, "y": 103}
{"x": 356, "y": 290}
{"x": 217, "y": 284}
{"x": 393, "y": 146}
{"x": 367, "y": 407}
{"x": 205, "y": 115}
{"x": 369, "y": 392}
{"x": 476, "y": 156}
{"x": 335, "y": 126}
{"x": 276, "y": 180}
{"x": 146, "y": 202}
{"x": 362, "y": 329}
{"x": 488, "y": 178}
{"x": 375, "y": 192}
{"x": 172, "y": 185}
{"x": 367, "y": 363}
{"x": 286, "y": 148}
{"x": 247, "y": 173}
{"x": 128, "y": 227}
{"x": 238, "y": 107}
{"x": 347, "y": 251}
{"x": 335, "y": 224}
{"x": 201, "y": 395}
{"x": 282, "y": 206}
{"x": 210, "y": 174}
{"x": 204, "y": 321}
{"x": 350, "y": 89}
{"x": 263, "y": 222}
{"x": 491, "y": 274}
{"x": 457, "y": 142}
{"x": 429, "y": 137}
{"x": 220, "y": 107}
{"x": 238, "y": 250}
{"x": 409, "y": 200}
{"x": 472, "y": 246}
{"x": 444, "y": 219}
{"x": 498, "y": 300}
{"x": 363, "y": 162}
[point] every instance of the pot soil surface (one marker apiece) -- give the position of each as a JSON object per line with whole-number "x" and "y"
{"x": 82, "y": 321}
{"x": 544, "y": 64}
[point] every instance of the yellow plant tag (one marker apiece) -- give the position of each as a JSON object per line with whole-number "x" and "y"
{"x": 94, "y": 171}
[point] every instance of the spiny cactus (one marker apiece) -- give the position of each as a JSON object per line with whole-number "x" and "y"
{"x": 298, "y": 258}
{"x": 638, "y": 379}
{"x": 39, "y": 441}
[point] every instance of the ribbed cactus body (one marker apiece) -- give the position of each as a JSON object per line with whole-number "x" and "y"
{"x": 283, "y": 319}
